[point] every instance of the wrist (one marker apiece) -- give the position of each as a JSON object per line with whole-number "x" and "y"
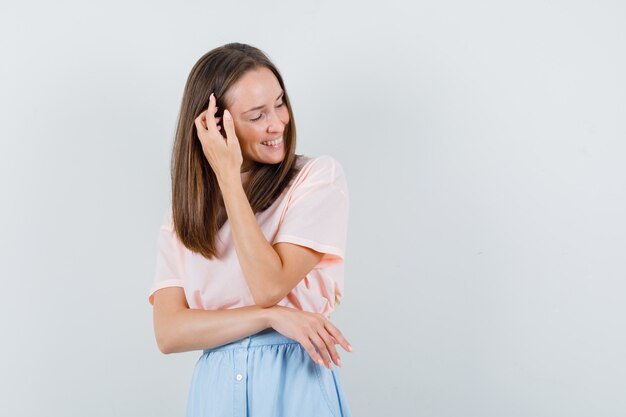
{"x": 228, "y": 181}
{"x": 270, "y": 315}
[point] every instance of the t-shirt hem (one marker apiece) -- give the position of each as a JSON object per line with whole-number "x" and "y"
{"x": 164, "y": 284}
{"x": 337, "y": 254}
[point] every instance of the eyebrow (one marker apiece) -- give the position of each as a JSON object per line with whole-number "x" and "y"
{"x": 260, "y": 107}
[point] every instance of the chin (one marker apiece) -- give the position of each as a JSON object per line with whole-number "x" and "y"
{"x": 271, "y": 156}
{"x": 273, "y": 161}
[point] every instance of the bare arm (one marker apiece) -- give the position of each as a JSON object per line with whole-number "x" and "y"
{"x": 180, "y": 329}
{"x": 271, "y": 272}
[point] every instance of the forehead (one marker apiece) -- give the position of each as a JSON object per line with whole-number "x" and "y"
{"x": 254, "y": 88}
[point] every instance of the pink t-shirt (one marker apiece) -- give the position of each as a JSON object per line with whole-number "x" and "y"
{"x": 312, "y": 211}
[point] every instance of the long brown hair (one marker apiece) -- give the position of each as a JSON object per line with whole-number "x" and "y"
{"x": 198, "y": 210}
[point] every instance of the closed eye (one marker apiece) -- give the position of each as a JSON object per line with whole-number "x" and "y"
{"x": 259, "y": 118}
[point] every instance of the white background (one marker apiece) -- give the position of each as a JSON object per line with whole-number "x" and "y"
{"x": 484, "y": 146}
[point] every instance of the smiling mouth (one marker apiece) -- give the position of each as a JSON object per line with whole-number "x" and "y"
{"x": 274, "y": 143}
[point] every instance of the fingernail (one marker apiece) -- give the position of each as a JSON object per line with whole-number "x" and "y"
{"x": 321, "y": 362}
{"x": 339, "y": 362}
{"x": 227, "y": 115}
{"x": 349, "y": 348}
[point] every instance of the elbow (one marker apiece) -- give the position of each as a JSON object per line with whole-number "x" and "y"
{"x": 266, "y": 304}
{"x": 163, "y": 348}
{"x": 163, "y": 344}
{"x": 168, "y": 322}
{"x": 169, "y": 346}
{"x": 266, "y": 300}
{"x": 166, "y": 341}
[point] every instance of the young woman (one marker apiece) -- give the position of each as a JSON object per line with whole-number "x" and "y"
{"x": 250, "y": 253}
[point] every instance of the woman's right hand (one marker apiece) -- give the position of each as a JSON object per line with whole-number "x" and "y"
{"x": 310, "y": 330}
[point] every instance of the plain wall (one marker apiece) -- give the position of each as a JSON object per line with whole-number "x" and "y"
{"x": 484, "y": 146}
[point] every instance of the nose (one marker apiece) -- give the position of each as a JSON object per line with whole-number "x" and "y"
{"x": 274, "y": 123}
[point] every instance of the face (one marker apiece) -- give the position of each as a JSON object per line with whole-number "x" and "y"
{"x": 260, "y": 116}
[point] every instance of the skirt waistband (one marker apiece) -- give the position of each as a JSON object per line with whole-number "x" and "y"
{"x": 268, "y": 336}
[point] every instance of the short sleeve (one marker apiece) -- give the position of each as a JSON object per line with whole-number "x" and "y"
{"x": 316, "y": 214}
{"x": 169, "y": 270}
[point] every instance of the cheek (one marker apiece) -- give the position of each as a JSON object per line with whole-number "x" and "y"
{"x": 284, "y": 115}
{"x": 250, "y": 135}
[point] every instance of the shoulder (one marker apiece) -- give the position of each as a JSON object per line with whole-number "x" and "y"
{"x": 320, "y": 174}
{"x": 322, "y": 168}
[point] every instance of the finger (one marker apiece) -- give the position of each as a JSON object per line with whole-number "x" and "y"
{"x": 336, "y": 333}
{"x": 210, "y": 114}
{"x": 229, "y": 127}
{"x": 328, "y": 339}
{"x": 308, "y": 346}
{"x": 200, "y": 124}
{"x": 321, "y": 348}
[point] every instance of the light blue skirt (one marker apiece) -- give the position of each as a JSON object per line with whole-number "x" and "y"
{"x": 264, "y": 375}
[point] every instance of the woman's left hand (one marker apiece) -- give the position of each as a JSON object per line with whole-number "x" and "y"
{"x": 224, "y": 155}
